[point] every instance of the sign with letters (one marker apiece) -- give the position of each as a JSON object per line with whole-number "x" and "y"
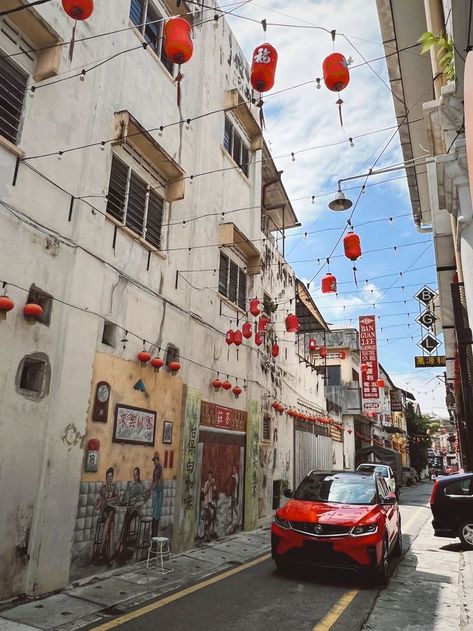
{"x": 427, "y": 319}
{"x": 134, "y": 425}
{"x": 425, "y": 295}
{"x": 369, "y": 356}
{"x": 421, "y": 361}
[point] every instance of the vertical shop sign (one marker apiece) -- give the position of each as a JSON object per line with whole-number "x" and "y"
{"x": 369, "y": 356}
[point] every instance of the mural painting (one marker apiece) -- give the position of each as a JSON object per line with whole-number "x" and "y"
{"x": 221, "y": 466}
{"x": 252, "y": 465}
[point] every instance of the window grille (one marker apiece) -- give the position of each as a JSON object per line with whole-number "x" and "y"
{"x": 133, "y": 202}
{"x": 232, "y": 281}
{"x": 148, "y": 21}
{"x": 236, "y": 147}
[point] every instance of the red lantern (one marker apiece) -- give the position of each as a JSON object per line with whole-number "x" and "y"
{"x": 174, "y": 367}
{"x": 342, "y": 354}
{"x": 178, "y": 45}
{"x": 217, "y": 384}
{"x": 78, "y": 9}
{"x": 262, "y": 324}
{"x": 258, "y": 339}
{"x": 336, "y": 73}
{"x": 323, "y": 352}
{"x": 275, "y": 350}
{"x": 226, "y": 385}
{"x": 281, "y": 408}
{"x": 247, "y": 330}
{"x": 263, "y": 67}
{"x": 292, "y": 323}
{"x": 352, "y": 246}
{"x": 364, "y": 367}
{"x": 276, "y": 405}
{"x": 144, "y": 357}
{"x": 157, "y": 363}
{"x": 6, "y": 305}
{"x": 230, "y": 337}
{"x": 312, "y": 344}
{"x": 380, "y": 383}
{"x": 32, "y": 312}
{"x": 254, "y": 307}
{"x": 236, "y": 391}
{"x": 329, "y": 284}
{"x": 237, "y": 338}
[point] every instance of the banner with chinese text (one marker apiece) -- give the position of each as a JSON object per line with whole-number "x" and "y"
{"x": 369, "y": 356}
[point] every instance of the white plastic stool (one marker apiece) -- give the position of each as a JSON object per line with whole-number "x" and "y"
{"x": 162, "y": 547}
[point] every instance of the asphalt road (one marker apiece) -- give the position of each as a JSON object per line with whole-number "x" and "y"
{"x": 261, "y": 599}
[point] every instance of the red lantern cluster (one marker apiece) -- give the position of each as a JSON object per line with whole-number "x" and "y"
{"x": 78, "y": 9}
{"x": 178, "y": 46}
{"x": 292, "y": 323}
{"x": 263, "y": 67}
{"x": 352, "y": 246}
{"x": 335, "y": 72}
{"x": 329, "y": 284}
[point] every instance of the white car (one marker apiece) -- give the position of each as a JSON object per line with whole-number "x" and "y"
{"x": 382, "y": 469}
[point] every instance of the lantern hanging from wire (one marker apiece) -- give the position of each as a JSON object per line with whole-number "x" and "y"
{"x": 263, "y": 67}
{"x": 216, "y": 384}
{"x": 236, "y": 391}
{"x": 342, "y": 354}
{"x": 312, "y": 344}
{"x": 178, "y": 46}
{"x": 258, "y": 339}
{"x": 78, "y": 10}
{"x": 32, "y": 312}
{"x": 6, "y": 305}
{"x": 263, "y": 323}
{"x": 292, "y": 323}
{"x": 275, "y": 350}
{"x": 230, "y": 337}
{"x": 255, "y": 307}
{"x": 336, "y": 76}
{"x": 323, "y": 352}
{"x": 174, "y": 367}
{"x": 237, "y": 337}
{"x": 144, "y": 357}
{"x": 352, "y": 246}
{"x": 247, "y": 330}
{"x": 157, "y": 363}
{"x": 329, "y": 284}
{"x": 226, "y": 385}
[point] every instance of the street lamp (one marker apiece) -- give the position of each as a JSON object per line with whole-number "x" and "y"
{"x": 340, "y": 202}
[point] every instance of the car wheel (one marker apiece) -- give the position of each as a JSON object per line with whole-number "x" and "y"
{"x": 381, "y": 575}
{"x": 466, "y": 534}
{"x": 397, "y": 550}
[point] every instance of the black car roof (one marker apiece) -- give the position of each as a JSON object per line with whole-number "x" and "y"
{"x": 360, "y": 474}
{"x": 448, "y": 479}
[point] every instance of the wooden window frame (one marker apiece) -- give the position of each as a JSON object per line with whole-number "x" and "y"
{"x": 236, "y": 146}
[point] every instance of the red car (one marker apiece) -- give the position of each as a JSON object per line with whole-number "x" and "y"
{"x": 348, "y": 520}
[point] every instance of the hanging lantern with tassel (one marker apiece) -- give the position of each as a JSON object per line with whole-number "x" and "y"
{"x": 32, "y": 312}
{"x": 292, "y": 323}
{"x": 263, "y": 67}
{"x": 329, "y": 284}
{"x": 216, "y": 384}
{"x": 275, "y": 350}
{"x": 247, "y": 330}
{"x": 323, "y": 352}
{"x": 258, "y": 339}
{"x": 336, "y": 76}
{"x": 237, "y": 338}
{"x": 77, "y": 10}
{"x": 6, "y": 305}
{"x": 178, "y": 46}
{"x": 157, "y": 363}
{"x": 352, "y": 246}
{"x": 312, "y": 344}
{"x": 236, "y": 391}
{"x": 263, "y": 323}
{"x": 174, "y": 367}
{"x": 255, "y": 307}
{"x": 230, "y": 337}
{"x": 226, "y": 385}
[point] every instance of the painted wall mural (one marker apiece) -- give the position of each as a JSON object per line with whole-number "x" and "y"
{"x": 252, "y": 471}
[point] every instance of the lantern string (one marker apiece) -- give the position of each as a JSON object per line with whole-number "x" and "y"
{"x": 340, "y": 103}
{"x": 73, "y": 41}
{"x": 177, "y": 81}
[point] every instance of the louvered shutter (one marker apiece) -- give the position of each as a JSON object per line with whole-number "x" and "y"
{"x": 154, "y": 220}
{"x": 117, "y": 189}
{"x": 242, "y": 289}
{"x": 233, "y": 282}
{"x": 223, "y": 274}
{"x": 227, "y": 136}
{"x": 136, "y": 204}
{"x": 12, "y": 96}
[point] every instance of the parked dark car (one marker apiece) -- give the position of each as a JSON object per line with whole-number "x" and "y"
{"x": 451, "y": 503}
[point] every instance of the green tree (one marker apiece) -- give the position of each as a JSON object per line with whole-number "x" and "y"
{"x": 420, "y": 428}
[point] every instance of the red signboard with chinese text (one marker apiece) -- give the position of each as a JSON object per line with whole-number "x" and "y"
{"x": 369, "y": 356}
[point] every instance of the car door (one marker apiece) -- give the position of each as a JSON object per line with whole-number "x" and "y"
{"x": 458, "y": 500}
{"x": 390, "y": 510}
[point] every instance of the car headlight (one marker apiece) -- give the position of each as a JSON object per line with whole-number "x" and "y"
{"x": 368, "y": 529}
{"x": 281, "y": 522}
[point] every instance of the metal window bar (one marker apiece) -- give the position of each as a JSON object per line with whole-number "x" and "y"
{"x": 136, "y": 207}
{"x": 117, "y": 190}
{"x": 233, "y": 282}
{"x": 242, "y": 289}
{"x": 11, "y": 99}
{"x": 228, "y": 136}
{"x": 223, "y": 275}
{"x": 154, "y": 219}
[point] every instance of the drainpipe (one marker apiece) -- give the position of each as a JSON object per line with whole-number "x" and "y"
{"x": 435, "y": 24}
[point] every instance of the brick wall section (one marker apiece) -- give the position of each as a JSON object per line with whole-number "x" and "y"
{"x": 87, "y": 517}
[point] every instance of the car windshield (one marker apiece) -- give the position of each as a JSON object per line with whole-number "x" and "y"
{"x": 375, "y": 469}
{"x": 337, "y": 488}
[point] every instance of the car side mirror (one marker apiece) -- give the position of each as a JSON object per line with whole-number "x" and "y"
{"x": 390, "y": 499}
{"x": 288, "y": 493}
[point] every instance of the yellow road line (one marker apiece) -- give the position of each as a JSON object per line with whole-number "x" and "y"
{"x": 178, "y": 595}
{"x": 336, "y": 611}
{"x": 413, "y": 517}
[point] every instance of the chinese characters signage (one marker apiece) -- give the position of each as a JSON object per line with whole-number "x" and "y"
{"x": 396, "y": 402}
{"x": 422, "y": 361}
{"x": 134, "y": 425}
{"x": 368, "y": 356}
{"x": 224, "y": 418}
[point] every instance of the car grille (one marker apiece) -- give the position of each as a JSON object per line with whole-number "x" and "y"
{"x": 321, "y": 530}
{"x": 322, "y": 553}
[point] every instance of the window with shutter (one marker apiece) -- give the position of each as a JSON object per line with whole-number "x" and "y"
{"x": 242, "y": 290}
{"x": 149, "y": 23}
{"x": 228, "y": 136}
{"x": 236, "y": 146}
{"x": 133, "y": 202}
{"x": 245, "y": 158}
{"x": 266, "y": 433}
{"x": 233, "y": 282}
{"x": 223, "y": 274}
{"x": 12, "y": 96}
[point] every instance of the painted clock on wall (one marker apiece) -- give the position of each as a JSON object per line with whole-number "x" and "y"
{"x": 102, "y": 399}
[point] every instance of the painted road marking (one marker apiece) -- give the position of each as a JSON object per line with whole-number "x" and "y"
{"x": 413, "y": 517}
{"x": 336, "y": 611}
{"x": 178, "y": 595}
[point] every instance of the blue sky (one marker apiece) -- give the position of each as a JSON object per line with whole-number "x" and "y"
{"x": 302, "y": 118}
